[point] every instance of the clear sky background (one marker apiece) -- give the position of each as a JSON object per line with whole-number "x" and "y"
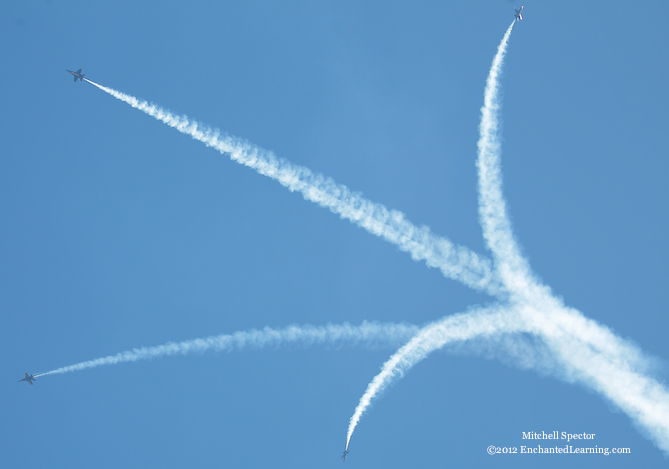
{"x": 119, "y": 232}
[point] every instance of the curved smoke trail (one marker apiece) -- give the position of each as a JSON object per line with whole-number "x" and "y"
{"x": 494, "y": 220}
{"x": 455, "y": 262}
{"x": 370, "y": 334}
{"x": 477, "y": 324}
{"x": 576, "y": 348}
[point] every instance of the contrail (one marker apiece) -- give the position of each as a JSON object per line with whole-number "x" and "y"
{"x": 477, "y": 324}
{"x": 455, "y": 262}
{"x": 494, "y": 220}
{"x": 591, "y": 354}
{"x": 369, "y": 334}
{"x": 571, "y": 346}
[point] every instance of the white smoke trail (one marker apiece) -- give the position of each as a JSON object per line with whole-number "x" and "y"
{"x": 496, "y": 226}
{"x": 455, "y": 262}
{"x": 592, "y": 355}
{"x": 459, "y": 327}
{"x": 370, "y": 334}
{"x": 577, "y": 349}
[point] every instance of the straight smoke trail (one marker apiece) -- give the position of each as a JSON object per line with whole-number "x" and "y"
{"x": 573, "y": 347}
{"x": 369, "y": 334}
{"x": 455, "y": 262}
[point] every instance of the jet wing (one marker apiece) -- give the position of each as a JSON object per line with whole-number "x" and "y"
{"x": 75, "y": 78}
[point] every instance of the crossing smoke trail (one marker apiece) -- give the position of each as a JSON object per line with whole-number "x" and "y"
{"x": 578, "y": 349}
{"x": 588, "y": 353}
{"x": 573, "y": 347}
{"x": 369, "y": 334}
{"x": 455, "y": 262}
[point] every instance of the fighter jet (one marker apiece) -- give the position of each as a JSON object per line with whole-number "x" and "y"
{"x": 343, "y": 455}
{"x": 30, "y": 379}
{"x": 77, "y": 74}
{"x": 518, "y": 16}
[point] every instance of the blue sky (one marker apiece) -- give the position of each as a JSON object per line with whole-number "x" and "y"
{"x": 119, "y": 232}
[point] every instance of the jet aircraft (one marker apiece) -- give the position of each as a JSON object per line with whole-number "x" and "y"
{"x": 518, "y": 15}
{"x": 77, "y": 74}
{"x": 29, "y": 379}
{"x": 343, "y": 455}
